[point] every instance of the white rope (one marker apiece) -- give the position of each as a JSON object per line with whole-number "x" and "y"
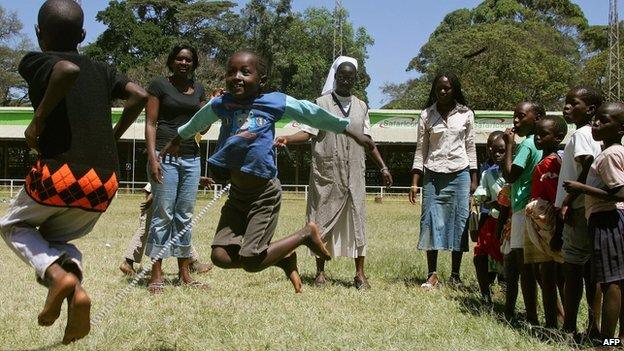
{"x": 121, "y": 294}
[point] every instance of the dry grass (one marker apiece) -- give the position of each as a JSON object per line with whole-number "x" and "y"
{"x": 259, "y": 311}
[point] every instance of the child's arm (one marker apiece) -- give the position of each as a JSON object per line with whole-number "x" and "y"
{"x": 608, "y": 194}
{"x": 297, "y": 138}
{"x": 62, "y": 78}
{"x": 511, "y": 171}
{"x": 199, "y": 122}
{"x": 502, "y": 220}
{"x": 313, "y": 115}
{"x": 585, "y": 161}
{"x": 135, "y": 102}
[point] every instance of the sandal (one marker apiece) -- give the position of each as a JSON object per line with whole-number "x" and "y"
{"x": 361, "y": 284}
{"x": 156, "y": 288}
{"x": 428, "y": 285}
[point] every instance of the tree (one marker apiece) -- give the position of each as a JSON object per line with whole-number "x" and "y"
{"x": 504, "y": 51}
{"x": 13, "y": 45}
{"x": 140, "y": 31}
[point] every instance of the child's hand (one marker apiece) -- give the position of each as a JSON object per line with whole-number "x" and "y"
{"x": 206, "y": 182}
{"x": 556, "y": 243}
{"x": 216, "y": 92}
{"x": 509, "y": 136}
{"x": 573, "y": 187}
{"x": 281, "y": 141}
{"x": 32, "y": 133}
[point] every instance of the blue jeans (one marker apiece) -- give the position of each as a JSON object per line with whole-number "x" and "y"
{"x": 173, "y": 205}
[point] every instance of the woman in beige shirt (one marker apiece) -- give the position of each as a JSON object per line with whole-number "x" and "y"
{"x": 446, "y": 162}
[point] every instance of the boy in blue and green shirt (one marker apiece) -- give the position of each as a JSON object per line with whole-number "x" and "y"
{"x": 518, "y": 171}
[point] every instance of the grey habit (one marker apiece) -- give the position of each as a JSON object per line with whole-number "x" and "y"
{"x": 337, "y": 173}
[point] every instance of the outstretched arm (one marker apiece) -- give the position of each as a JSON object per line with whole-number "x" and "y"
{"x": 297, "y": 138}
{"x": 199, "y": 122}
{"x": 62, "y": 79}
{"x": 608, "y": 194}
{"x": 314, "y": 116}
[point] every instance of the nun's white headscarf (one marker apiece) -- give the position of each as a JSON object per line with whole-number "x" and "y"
{"x": 330, "y": 83}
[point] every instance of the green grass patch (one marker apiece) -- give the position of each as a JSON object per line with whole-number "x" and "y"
{"x": 259, "y": 311}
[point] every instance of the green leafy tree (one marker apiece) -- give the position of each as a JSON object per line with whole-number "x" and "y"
{"x": 295, "y": 45}
{"x": 504, "y": 51}
{"x": 139, "y": 32}
{"x": 13, "y": 45}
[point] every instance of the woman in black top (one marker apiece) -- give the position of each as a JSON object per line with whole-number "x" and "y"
{"x": 172, "y": 102}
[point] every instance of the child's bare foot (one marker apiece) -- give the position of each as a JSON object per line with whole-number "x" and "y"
{"x": 313, "y": 241}
{"x": 60, "y": 285}
{"x": 78, "y": 316}
{"x": 126, "y": 268}
{"x": 289, "y": 265}
{"x": 320, "y": 280}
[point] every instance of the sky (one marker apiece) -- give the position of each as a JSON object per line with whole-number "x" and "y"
{"x": 399, "y": 28}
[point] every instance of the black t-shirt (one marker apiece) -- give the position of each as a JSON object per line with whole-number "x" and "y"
{"x": 79, "y": 130}
{"x": 175, "y": 110}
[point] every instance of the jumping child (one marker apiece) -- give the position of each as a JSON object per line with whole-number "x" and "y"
{"x": 245, "y": 153}
{"x": 518, "y": 171}
{"x": 75, "y": 177}
{"x": 604, "y": 204}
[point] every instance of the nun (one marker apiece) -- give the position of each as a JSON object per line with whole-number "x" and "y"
{"x": 337, "y": 195}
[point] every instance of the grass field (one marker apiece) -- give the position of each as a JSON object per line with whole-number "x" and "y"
{"x": 246, "y": 311}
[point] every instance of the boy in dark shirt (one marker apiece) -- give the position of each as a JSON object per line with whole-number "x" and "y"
{"x": 75, "y": 176}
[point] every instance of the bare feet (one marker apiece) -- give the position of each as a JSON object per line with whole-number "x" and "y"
{"x": 78, "y": 316}
{"x": 198, "y": 267}
{"x": 61, "y": 284}
{"x": 313, "y": 241}
{"x": 126, "y": 268}
{"x": 289, "y": 265}
{"x": 320, "y": 280}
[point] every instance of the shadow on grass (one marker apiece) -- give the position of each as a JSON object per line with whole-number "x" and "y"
{"x": 44, "y": 348}
{"x": 308, "y": 279}
{"x": 471, "y": 303}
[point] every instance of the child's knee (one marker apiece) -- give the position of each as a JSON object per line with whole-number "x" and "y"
{"x": 219, "y": 257}
{"x": 250, "y": 264}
